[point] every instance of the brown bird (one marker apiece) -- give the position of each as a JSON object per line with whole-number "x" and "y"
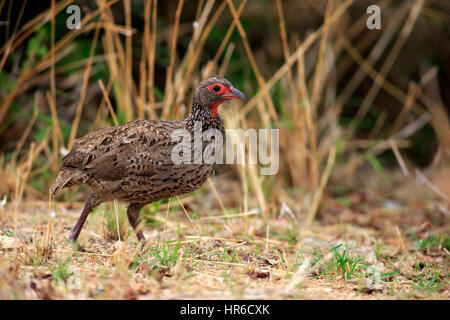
{"x": 133, "y": 163}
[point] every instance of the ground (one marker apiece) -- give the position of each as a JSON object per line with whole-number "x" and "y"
{"x": 361, "y": 246}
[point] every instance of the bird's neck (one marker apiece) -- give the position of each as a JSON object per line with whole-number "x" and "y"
{"x": 202, "y": 112}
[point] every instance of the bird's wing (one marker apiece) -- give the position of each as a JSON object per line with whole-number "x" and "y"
{"x": 88, "y": 147}
{"x": 112, "y": 153}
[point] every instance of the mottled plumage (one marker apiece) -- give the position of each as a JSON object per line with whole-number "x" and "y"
{"x": 132, "y": 162}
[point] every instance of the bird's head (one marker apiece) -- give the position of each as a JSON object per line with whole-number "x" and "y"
{"x": 213, "y": 91}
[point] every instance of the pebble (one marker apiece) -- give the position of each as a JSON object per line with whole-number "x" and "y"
{"x": 9, "y": 242}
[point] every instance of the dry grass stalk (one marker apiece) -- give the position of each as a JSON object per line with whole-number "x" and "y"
{"x": 151, "y": 61}
{"x": 388, "y": 63}
{"x": 219, "y": 199}
{"x": 108, "y": 102}
{"x": 168, "y": 91}
{"x": 323, "y": 182}
{"x": 45, "y": 62}
{"x": 80, "y": 105}
{"x": 229, "y": 216}
{"x": 58, "y": 138}
{"x": 167, "y": 215}
{"x": 116, "y": 213}
{"x": 128, "y": 57}
{"x": 399, "y": 158}
{"x": 27, "y": 131}
{"x": 187, "y": 214}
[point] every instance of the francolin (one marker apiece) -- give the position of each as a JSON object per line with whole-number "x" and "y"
{"x": 132, "y": 162}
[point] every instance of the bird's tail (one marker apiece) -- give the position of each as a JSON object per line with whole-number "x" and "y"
{"x": 64, "y": 179}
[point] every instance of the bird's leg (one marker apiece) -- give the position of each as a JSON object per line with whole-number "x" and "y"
{"x": 90, "y": 204}
{"x": 133, "y": 216}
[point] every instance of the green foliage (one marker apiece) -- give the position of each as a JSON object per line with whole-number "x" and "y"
{"x": 229, "y": 255}
{"x": 110, "y": 223}
{"x": 343, "y": 262}
{"x": 161, "y": 255}
{"x": 158, "y": 94}
{"x": 431, "y": 241}
{"x": 36, "y": 48}
{"x": 348, "y": 266}
{"x": 79, "y": 52}
{"x": 344, "y": 201}
{"x": 62, "y": 271}
{"x": 374, "y": 162}
{"x": 430, "y": 278}
{"x": 377, "y": 249}
{"x": 8, "y": 234}
{"x": 6, "y": 83}
{"x": 166, "y": 254}
{"x": 289, "y": 234}
{"x": 149, "y": 212}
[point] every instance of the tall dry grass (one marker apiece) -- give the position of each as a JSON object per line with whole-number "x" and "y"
{"x": 312, "y": 140}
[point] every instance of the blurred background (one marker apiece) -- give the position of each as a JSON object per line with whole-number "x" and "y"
{"x": 363, "y": 114}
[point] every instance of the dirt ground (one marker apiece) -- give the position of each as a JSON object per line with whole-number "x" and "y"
{"x": 361, "y": 246}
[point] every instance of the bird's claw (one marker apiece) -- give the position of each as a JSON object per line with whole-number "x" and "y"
{"x": 77, "y": 248}
{"x": 144, "y": 246}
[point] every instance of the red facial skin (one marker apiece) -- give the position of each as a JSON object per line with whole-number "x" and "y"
{"x": 225, "y": 92}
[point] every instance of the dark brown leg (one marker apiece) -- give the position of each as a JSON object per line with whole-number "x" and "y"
{"x": 133, "y": 216}
{"x": 90, "y": 204}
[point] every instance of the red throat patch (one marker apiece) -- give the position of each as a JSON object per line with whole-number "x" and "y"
{"x": 214, "y": 108}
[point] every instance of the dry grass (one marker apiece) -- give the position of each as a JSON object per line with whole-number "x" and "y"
{"x": 220, "y": 257}
{"x": 242, "y": 236}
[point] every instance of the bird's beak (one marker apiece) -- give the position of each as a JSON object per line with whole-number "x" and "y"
{"x": 236, "y": 94}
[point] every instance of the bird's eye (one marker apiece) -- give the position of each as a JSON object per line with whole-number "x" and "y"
{"x": 216, "y": 88}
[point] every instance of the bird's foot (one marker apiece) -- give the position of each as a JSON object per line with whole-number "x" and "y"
{"x": 75, "y": 245}
{"x": 144, "y": 246}
{"x": 78, "y": 248}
